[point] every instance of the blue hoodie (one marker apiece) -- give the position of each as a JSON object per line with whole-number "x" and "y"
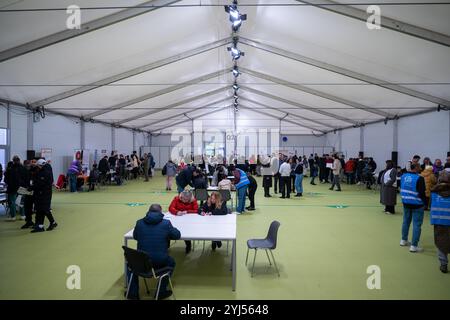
{"x": 152, "y": 234}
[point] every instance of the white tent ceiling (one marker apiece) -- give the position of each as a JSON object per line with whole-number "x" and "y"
{"x": 309, "y": 67}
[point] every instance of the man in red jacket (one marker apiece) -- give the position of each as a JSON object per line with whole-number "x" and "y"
{"x": 184, "y": 203}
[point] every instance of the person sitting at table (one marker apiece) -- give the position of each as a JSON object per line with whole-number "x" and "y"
{"x": 152, "y": 233}
{"x": 216, "y": 207}
{"x": 184, "y": 203}
{"x": 225, "y": 183}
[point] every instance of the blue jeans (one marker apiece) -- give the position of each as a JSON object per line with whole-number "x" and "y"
{"x": 12, "y": 204}
{"x": 241, "y": 194}
{"x": 179, "y": 189}
{"x": 442, "y": 258}
{"x": 134, "y": 285}
{"x": 416, "y": 216}
{"x": 73, "y": 182}
{"x": 299, "y": 183}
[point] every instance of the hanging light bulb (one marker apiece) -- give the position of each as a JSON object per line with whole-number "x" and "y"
{"x": 235, "y": 71}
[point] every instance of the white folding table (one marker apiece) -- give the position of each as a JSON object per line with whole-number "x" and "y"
{"x": 197, "y": 227}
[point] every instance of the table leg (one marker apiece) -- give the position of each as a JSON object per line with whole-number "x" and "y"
{"x": 125, "y": 243}
{"x": 233, "y": 264}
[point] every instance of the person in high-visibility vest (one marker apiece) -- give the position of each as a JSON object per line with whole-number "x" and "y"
{"x": 241, "y": 183}
{"x": 440, "y": 217}
{"x": 413, "y": 199}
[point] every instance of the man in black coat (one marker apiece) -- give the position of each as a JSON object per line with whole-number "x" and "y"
{"x": 27, "y": 173}
{"x": 42, "y": 192}
{"x": 103, "y": 168}
{"x": 12, "y": 180}
{"x": 251, "y": 191}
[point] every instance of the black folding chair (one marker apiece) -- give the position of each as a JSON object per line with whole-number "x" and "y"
{"x": 268, "y": 243}
{"x": 140, "y": 265}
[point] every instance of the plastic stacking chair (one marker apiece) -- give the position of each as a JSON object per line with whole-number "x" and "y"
{"x": 140, "y": 265}
{"x": 269, "y": 243}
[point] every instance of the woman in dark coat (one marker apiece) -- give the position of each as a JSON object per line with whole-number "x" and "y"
{"x": 216, "y": 207}
{"x": 42, "y": 194}
{"x": 388, "y": 190}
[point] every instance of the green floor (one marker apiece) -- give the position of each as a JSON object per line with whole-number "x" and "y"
{"x": 323, "y": 252}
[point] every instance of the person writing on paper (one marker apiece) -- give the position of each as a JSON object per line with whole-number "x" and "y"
{"x": 152, "y": 234}
{"x": 184, "y": 203}
{"x": 216, "y": 207}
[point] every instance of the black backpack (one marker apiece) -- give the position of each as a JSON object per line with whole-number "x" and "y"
{"x": 164, "y": 170}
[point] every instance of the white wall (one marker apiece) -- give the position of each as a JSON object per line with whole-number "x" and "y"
{"x": 426, "y": 135}
{"x": 18, "y": 133}
{"x": 60, "y": 134}
{"x": 63, "y": 136}
{"x": 124, "y": 140}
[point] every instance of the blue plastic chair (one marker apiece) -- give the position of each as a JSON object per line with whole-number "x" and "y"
{"x": 268, "y": 243}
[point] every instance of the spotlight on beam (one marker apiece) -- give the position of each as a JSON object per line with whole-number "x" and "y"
{"x": 235, "y": 88}
{"x": 235, "y": 71}
{"x": 235, "y": 52}
{"x": 235, "y": 17}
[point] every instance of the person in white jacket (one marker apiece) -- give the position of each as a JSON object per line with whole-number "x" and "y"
{"x": 275, "y": 166}
{"x": 285, "y": 179}
{"x": 337, "y": 167}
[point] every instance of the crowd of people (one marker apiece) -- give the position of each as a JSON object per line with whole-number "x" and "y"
{"x": 422, "y": 186}
{"x": 29, "y": 190}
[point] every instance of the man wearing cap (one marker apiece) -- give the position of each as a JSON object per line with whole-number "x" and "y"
{"x": 42, "y": 188}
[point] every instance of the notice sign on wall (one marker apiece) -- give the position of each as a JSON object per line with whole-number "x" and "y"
{"x": 46, "y": 153}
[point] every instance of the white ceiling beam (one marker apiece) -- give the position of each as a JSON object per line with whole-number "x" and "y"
{"x": 156, "y": 94}
{"x": 131, "y": 73}
{"x": 316, "y": 93}
{"x": 85, "y": 28}
{"x": 172, "y": 106}
{"x": 182, "y": 121}
{"x": 288, "y": 114}
{"x": 184, "y": 113}
{"x": 344, "y": 72}
{"x": 299, "y": 105}
{"x": 386, "y": 22}
{"x": 281, "y": 118}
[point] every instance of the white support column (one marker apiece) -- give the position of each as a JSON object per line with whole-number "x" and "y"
{"x": 30, "y": 131}
{"x": 8, "y": 132}
{"x": 448, "y": 150}
{"x": 395, "y": 135}
{"x": 361, "y": 139}
{"x": 113, "y": 138}
{"x": 339, "y": 141}
{"x": 82, "y": 135}
{"x": 134, "y": 140}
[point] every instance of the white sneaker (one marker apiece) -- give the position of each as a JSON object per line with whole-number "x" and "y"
{"x": 404, "y": 243}
{"x": 415, "y": 249}
{"x": 11, "y": 219}
{"x": 22, "y": 217}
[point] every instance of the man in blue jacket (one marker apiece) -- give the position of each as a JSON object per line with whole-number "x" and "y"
{"x": 413, "y": 198}
{"x": 153, "y": 234}
{"x": 185, "y": 178}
